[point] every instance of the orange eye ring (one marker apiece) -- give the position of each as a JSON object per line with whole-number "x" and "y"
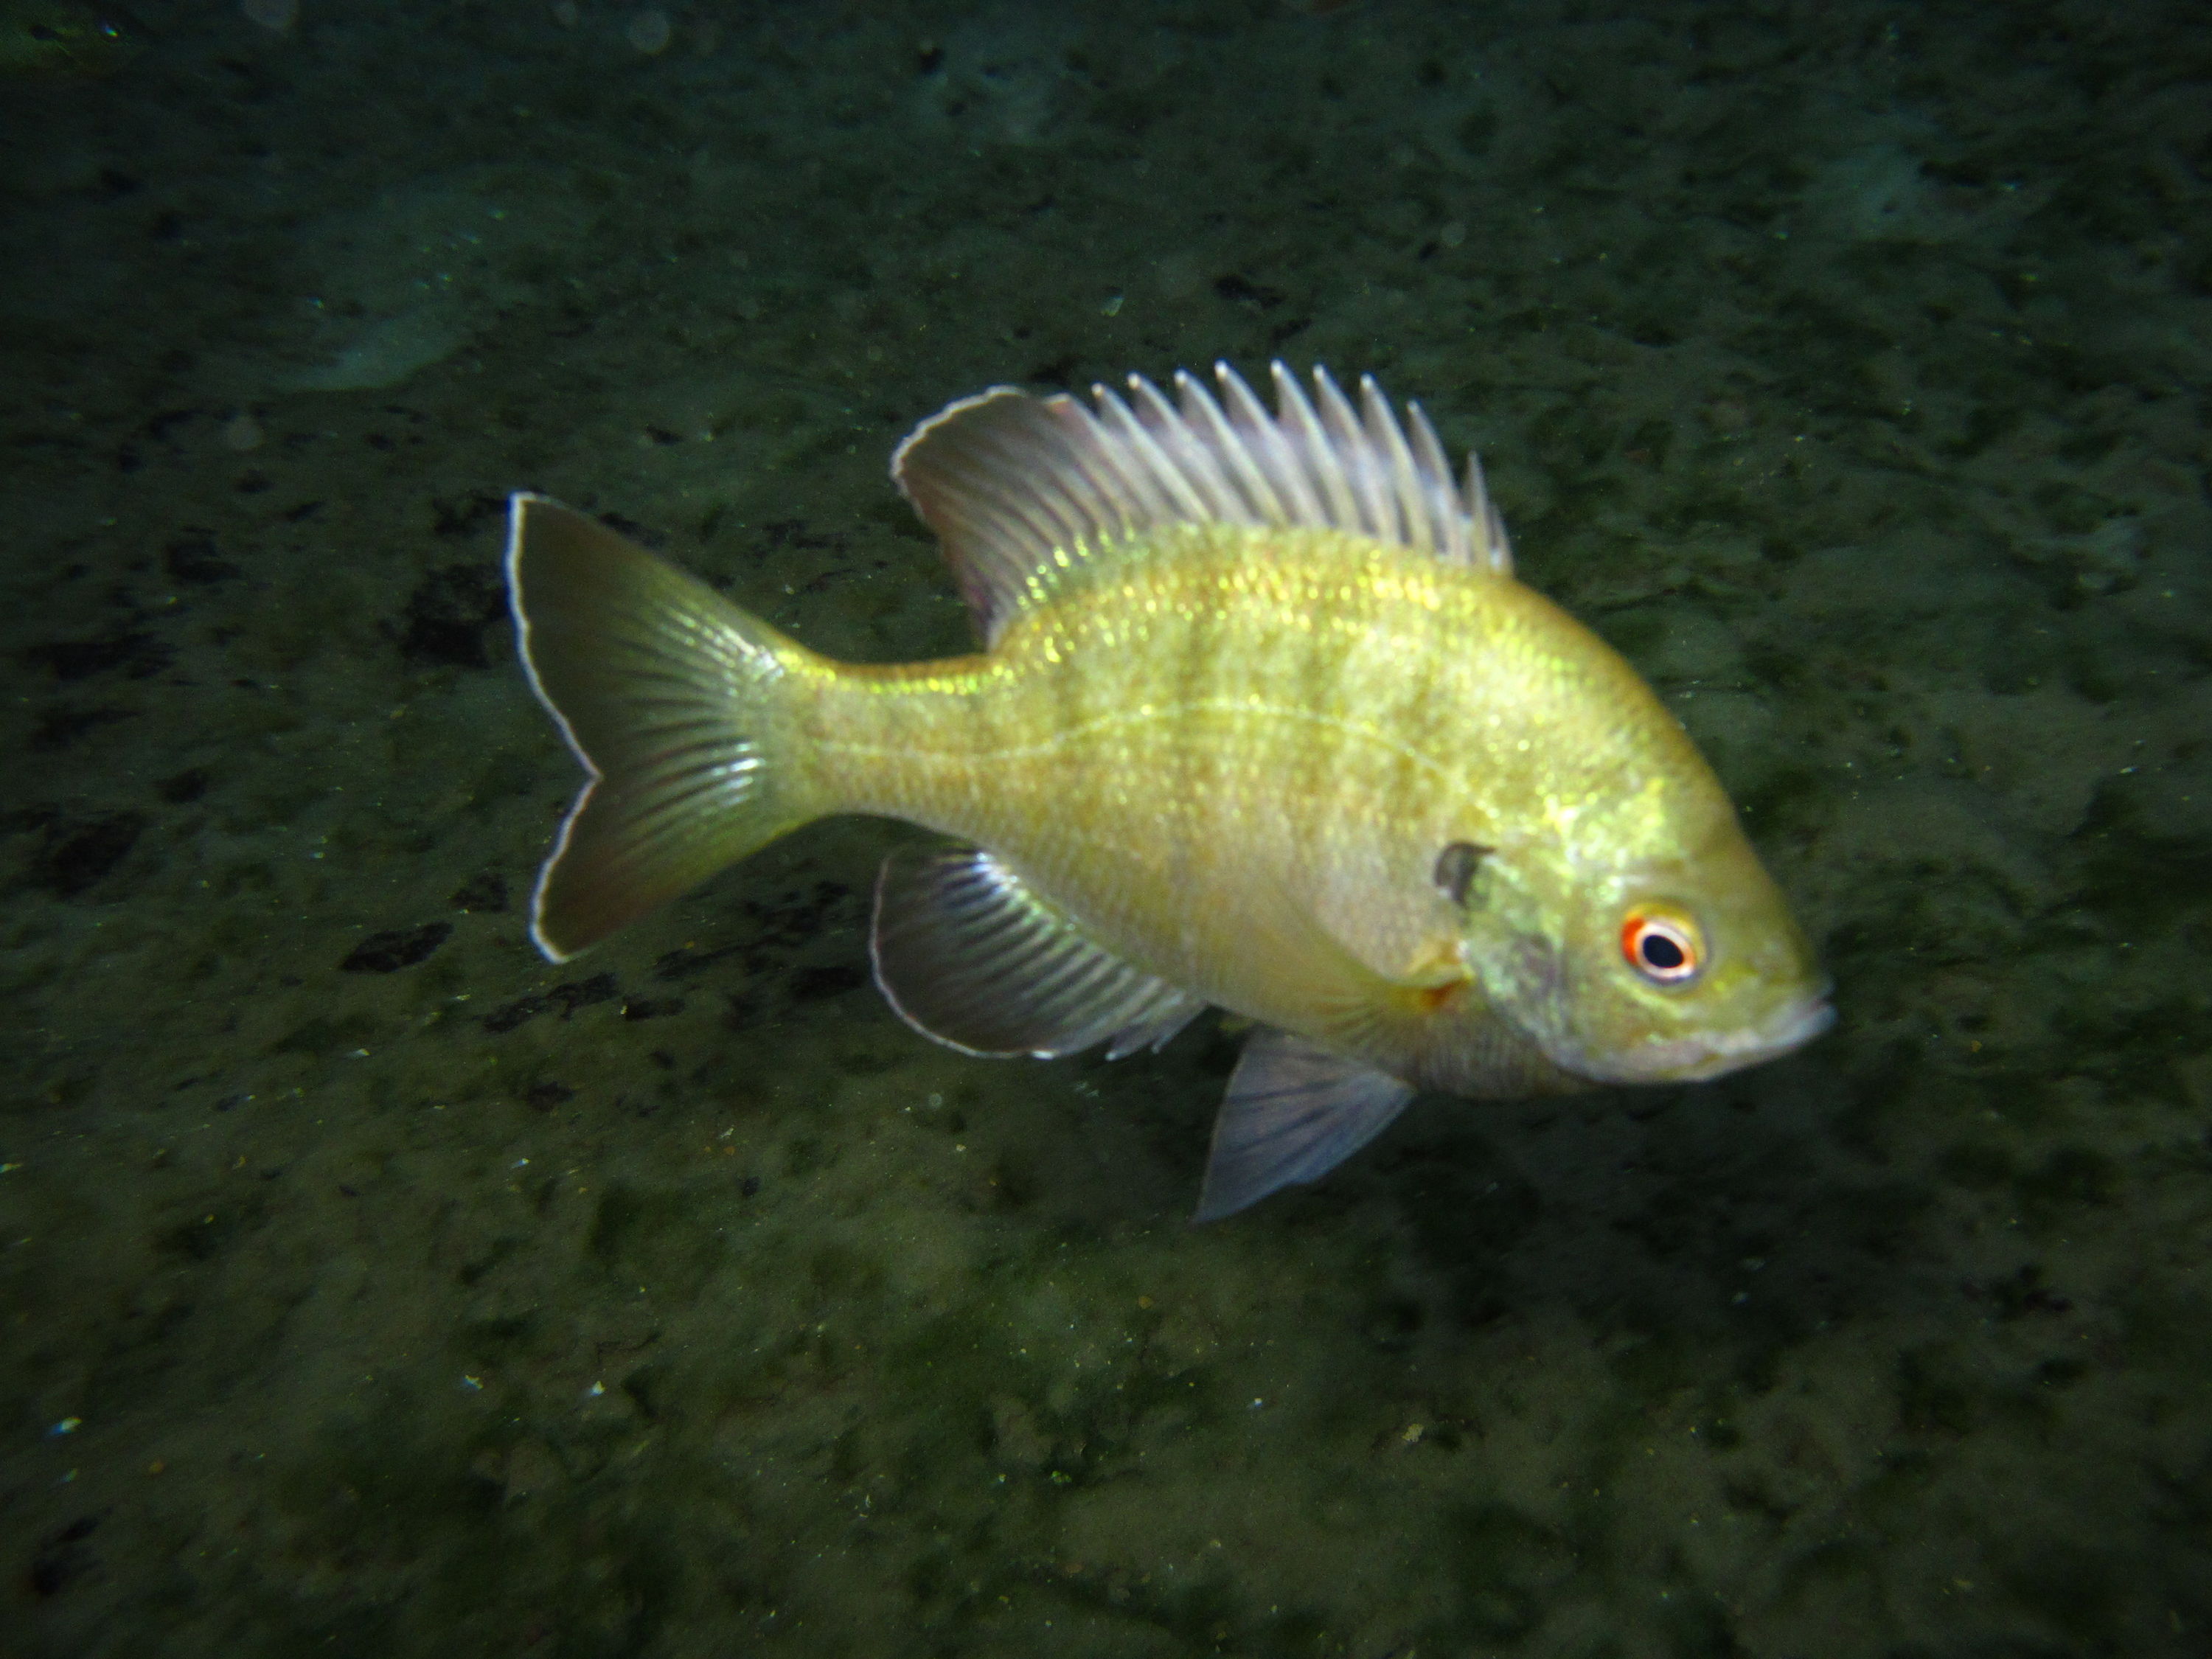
{"x": 1663, "y": 945}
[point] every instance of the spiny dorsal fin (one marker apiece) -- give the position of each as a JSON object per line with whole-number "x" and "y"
{"x": 1017, "y": 486}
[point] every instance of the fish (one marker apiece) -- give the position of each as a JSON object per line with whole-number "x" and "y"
{"x": 1260, "y": 720}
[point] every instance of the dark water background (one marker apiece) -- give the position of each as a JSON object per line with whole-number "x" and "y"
{"x": 370, "y": 1287}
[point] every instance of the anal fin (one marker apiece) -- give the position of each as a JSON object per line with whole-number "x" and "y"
{"x": 1293, "y": 1113}
{"x": 966, "y": 952}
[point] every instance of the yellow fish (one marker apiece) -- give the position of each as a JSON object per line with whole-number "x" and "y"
{"x": 1262, "y": 720}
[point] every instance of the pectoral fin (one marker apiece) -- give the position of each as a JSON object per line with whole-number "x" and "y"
{"x": 1294, "y": 1113}
{"x": 1310, "y": 978}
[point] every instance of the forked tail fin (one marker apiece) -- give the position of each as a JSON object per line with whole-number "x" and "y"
{"x": 672, "y": 697}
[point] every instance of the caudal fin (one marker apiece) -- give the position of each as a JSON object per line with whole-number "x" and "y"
{"x": 672, "y": 699}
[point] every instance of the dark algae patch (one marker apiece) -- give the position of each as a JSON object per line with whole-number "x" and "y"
{"x": 395, "y": 948}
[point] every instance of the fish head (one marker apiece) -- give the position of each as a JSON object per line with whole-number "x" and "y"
{"x": 1659, "y": 953}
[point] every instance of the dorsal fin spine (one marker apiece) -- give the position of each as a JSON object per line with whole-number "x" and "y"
{"x": 1347, "y": 443}
{"x": 1218, "y": 495}
{"x": 1383, "y": 432}
{"x": 1303, "y": 504}
{"x": 1498, "y": 551}
{"x": 1172, "y": 489}
{"x": 1429, "y": 460}
{"x": 1250, "y": 479}
{"x": 1313, "y": 510}
{"x": 1332, "y": 490}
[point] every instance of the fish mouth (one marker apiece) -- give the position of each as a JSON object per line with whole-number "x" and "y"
{"x": 1712, "y": 1054}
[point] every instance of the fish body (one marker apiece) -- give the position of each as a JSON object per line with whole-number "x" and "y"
{"x": 1262, "y": 722}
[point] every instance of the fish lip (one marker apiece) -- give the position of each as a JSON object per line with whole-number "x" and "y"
{"x": 1690, "y": 1059}
{"x": 1800, "y": 1022}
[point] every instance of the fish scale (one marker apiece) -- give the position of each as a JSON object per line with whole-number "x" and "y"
{"x": 1169, "y": 716}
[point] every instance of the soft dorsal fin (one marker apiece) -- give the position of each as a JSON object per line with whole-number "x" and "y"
{"x": 1017, "y": 486}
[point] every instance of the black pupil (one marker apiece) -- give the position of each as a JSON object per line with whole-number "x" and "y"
{"x": 1662, "y": 953}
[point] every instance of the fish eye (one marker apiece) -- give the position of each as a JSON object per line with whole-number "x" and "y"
{"x": 1663, "y": 943}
